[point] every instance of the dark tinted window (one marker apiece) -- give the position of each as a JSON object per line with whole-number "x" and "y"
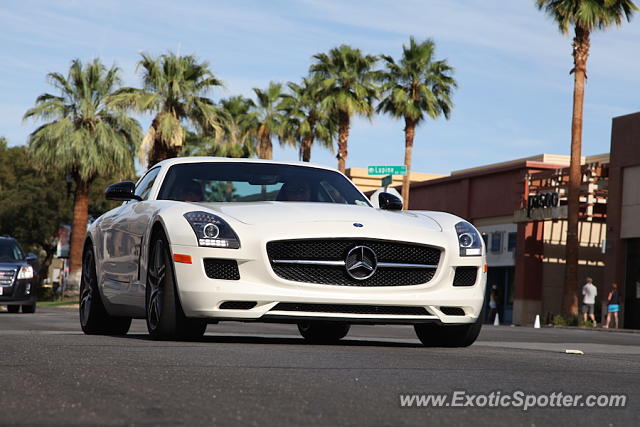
{"x": 255, "y": 182}
{"x": 511, "y": 243}
{"x": 10, "y": 251}
{"x": 496, "y": 242}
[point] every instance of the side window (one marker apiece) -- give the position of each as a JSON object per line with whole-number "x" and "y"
{"x": 143, "y": 189}
{"x": 17, "y": 253}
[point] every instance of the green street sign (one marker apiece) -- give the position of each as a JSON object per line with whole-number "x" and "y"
{"x": 387, "y": 170}
{"x": 387, "y": 180}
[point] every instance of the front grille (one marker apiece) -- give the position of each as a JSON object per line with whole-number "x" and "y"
{"x": 465, "y": 276}
{"x": 352, "y": 309}
{"x": 6, "y": 277}
{"x": 225, "y": 269}
{"x": 336, "y": 250}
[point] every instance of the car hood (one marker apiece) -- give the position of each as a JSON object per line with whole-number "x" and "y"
{"x": 10, "y": 265}
{"x": 259, "y": 213}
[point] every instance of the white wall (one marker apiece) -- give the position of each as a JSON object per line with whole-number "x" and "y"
{"x": 500, "y": 256}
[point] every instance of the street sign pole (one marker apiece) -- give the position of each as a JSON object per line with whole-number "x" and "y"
{"x": 386, "y": 181}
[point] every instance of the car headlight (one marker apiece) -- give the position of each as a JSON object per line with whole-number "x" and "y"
{"x": 26, "y": 272}
{"x": 212, "y": 231}
{"x": 469, "y": 240}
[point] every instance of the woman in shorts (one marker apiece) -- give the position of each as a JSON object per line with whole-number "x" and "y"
{"x": 613, "y": 306}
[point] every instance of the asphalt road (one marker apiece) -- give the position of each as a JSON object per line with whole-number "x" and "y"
{"x": 264, "y": 374}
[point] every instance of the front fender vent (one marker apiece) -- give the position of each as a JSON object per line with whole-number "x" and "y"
{"x": 465, "y": 276}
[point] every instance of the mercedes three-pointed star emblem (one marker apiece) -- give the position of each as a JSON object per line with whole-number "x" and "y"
{"x": 361, "y": 262}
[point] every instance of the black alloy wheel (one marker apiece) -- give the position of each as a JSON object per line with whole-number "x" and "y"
{"x": 94, "y": 319}
{"x": 165, "y": 317}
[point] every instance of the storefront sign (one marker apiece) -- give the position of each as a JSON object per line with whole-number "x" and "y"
{"x": 544, "y": 200}
{"x": 542, "y": 207}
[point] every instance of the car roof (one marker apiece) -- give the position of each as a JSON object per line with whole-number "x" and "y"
{"x": 204, "y": 159}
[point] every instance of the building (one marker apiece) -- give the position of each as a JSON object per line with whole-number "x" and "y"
{"x": 520, "y": 208}
{"x": 623, "y": 222}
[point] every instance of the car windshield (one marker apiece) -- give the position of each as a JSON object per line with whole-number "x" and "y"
{"x": 10, "y": 251}
{"x": 257, "y": 182}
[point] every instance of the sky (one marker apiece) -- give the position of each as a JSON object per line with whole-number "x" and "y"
{"x": 511, "y": 63}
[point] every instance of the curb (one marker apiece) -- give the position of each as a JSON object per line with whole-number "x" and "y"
{"x": 626, "y": 331}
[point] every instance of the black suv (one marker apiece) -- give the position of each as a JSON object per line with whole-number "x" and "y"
{"x": 17, "y": 282}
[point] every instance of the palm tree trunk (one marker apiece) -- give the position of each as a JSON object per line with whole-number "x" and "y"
{"x": 160, "y": 151}
{"x": 580, "y": 54}
{"x": 409, "y": 133}
{"x": 343, "y": 137}
{"x": 78, "y": 230}
{"x": 265, "y": 148}
{"x": 307, "y": 141}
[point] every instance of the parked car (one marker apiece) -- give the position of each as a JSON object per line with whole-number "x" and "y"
{"x": 17, "y": 285}
{"x": 202, "y": 240}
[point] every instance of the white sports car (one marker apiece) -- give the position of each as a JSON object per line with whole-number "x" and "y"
{"x": 200, "y": 240}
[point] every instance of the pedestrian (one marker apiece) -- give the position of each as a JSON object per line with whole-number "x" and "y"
{"x": 589, "y": 292}
{"x": 613, "y": 301}
{"x": 493, "y": 304}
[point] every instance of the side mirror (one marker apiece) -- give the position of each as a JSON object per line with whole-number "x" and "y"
{"x": 31, "y": 257}
{"x": 121, "y": 191}
{"x": 389, "y": 201}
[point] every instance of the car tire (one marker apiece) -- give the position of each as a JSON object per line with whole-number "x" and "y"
{"x": 323, "y": 332}
{"x": 29, "y": 308}
{"x": 164, "y": 314}
{"x": 434, "y": 335}
{"x": 13, "y": 308}
{"x": 94, "y": 319}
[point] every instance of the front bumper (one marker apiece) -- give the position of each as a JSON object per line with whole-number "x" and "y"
{"x": 201, "y": 296}
{"x": 20, "y": 292}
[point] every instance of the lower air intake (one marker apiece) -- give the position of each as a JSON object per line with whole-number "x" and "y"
{"x": 238, "y": 305}
{"x": 352, "y": 309}
{"x": 452, "y": 311}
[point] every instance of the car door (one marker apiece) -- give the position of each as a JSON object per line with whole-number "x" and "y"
{"x": 123, "y": 232}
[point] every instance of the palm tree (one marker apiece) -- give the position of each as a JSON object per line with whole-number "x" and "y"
{"x": 415, "y": 87}
{"x": 306, "y": 121}
{"x": 269, "y": 118}
{"x": 348, "y": 88}
{"x": 84, "y": 138}
{"x": 584, "y": 16}
{"x": 240, "y": 124}
{"x": 238, "y": 128}
{"x": 174, "y": 90}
